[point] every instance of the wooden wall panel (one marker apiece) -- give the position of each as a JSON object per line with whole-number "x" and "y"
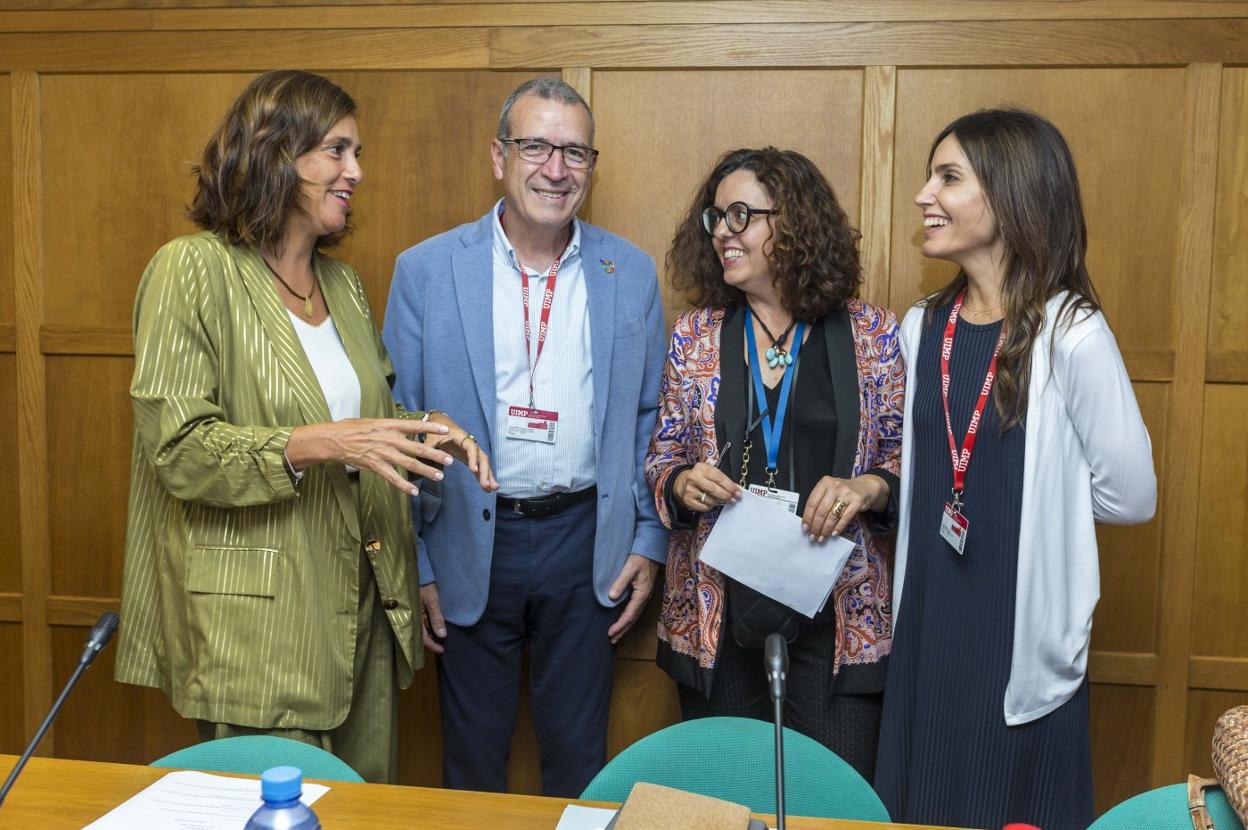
{"x": 106, "y": 720}
{"x": 1220, "y": 614}
{"x": 10, "y": 533}
{"x": 7, "y": 296}
{"x": 1132, "y": 215}
{"x": 1203, "y": 710}
{"x": 1228, "y": 322}
{"x": 1121, "y": 721}
{"x": 719, "y": 110}
{"x": 1127, "y": 615}
{"x": 12, "y": 735}
{"x": 426, "y": 162}
{"x": 89, "y": 438}
{"x": 116, "y": 188}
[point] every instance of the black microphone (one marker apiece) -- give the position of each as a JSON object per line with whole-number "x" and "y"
{"x": 100, "y": 634}
{"x": 776, "y": 662}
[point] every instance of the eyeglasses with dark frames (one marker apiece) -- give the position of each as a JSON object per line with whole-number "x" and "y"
{"x": 538, "y": 151}
{"x": 737, "y": 216}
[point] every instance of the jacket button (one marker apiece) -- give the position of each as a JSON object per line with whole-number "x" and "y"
{"x": 485, "y": 514}
{"x": 372, "y": 547}
{"x": 389, "y": 603}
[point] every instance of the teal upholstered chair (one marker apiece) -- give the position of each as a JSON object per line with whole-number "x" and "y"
{"x": 732, "y": 759}
{"x": 253, "y": 754}
{"x": 1165, "y": 808}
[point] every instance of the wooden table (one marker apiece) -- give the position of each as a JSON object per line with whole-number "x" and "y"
{"x": 53, "y": 793}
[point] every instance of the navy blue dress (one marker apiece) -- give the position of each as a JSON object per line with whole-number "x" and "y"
{"x": 946, "y": 756}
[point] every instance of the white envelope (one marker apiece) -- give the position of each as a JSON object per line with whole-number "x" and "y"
{"x": 762, "y": 545}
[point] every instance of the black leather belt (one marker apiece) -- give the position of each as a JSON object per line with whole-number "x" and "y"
{"x": 541, "y": 508}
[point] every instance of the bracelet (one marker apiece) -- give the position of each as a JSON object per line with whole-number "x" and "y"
{"x": 296, "y": 476}
{"x": 429, "y": 413}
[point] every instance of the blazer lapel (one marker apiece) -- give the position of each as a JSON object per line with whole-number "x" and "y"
{"x": 730, "y": 414}
{"x": 293, "y": 360}
{"x": 600, "y": 293}
{"x": 843, "y": 360}
{"x": 281, "y": 333}
{"x": 472, "y": 271}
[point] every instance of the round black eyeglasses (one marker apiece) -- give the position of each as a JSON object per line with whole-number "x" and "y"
{"x": 737, "y": 216}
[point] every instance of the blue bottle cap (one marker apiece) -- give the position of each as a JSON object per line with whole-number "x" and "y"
{"x": 281, "y": 783}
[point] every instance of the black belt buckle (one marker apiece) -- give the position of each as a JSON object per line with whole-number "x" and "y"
{"x": 546, "y": 506}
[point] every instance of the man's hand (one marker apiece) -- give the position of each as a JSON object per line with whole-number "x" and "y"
{"x": 637, "y": 574}
{"x": 432, "y": 618}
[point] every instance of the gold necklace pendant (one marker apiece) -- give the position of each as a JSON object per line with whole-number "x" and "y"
{"x": 308, "y": 310}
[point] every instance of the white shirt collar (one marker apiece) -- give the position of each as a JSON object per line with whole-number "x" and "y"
{"x": 504, "y": 249}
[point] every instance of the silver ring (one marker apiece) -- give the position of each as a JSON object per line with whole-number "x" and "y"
{"x": 468, "y": 437}
{"x": 702, "y": 497}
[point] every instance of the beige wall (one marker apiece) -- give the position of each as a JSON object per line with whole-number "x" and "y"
{"x": 103, "y": 103}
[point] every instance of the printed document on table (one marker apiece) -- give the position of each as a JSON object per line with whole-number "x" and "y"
{"x": 193, "y": 801}
{"x": 762, "y": 545}
{"x": 576, "y": 817}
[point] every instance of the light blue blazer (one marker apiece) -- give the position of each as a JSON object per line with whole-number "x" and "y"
{"x": 439, "y": 331}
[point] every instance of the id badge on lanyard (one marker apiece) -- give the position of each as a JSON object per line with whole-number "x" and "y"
{"x": 528, "y": 423}
{"x": 954, "y": 526}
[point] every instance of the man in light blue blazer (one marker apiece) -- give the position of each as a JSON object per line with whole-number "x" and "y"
{"x": 544, "y": 336}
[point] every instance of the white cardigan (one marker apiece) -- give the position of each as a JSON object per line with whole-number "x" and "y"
{"x": 1088, "y": 459}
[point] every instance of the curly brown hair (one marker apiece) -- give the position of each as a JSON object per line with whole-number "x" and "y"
{"x": 814, "y": 253}
{"x": 246, "y": 185}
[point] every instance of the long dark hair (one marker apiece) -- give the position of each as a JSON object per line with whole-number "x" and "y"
{"x": 246, "y": 185}
{"x": 814, "y": 254}
{"x": 1028, "y": 177}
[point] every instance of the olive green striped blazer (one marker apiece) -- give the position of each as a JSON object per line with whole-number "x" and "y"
{"x": 240, "y": 591}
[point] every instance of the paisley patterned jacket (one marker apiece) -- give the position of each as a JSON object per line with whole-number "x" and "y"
{"x": 862, "y": 340}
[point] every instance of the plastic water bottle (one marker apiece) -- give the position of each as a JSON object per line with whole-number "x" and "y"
{"x": 281, "y": 788}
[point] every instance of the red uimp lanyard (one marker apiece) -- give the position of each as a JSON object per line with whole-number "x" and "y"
{"x": 543, "y": 326}
{"x": 962, "y": 460}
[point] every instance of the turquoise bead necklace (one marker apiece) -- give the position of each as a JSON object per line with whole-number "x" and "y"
{"x": 777, "y": 355}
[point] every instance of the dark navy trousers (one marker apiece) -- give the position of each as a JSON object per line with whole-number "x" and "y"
{"x": 541, "y": 600}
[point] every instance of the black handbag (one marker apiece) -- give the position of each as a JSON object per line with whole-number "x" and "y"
{"x": 752, "y": 616}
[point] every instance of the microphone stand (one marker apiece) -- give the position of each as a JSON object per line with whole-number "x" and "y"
{"x": 776, "y": 660}
{"x": 101, "y": 633}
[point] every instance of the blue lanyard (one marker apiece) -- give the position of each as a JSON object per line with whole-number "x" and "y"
{"x": 772, "y": 428}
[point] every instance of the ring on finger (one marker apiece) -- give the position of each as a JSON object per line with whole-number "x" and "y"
{"x": 838, "y": 509}
{"x": 467, "y": 438}
{"x": 702, "y": 497}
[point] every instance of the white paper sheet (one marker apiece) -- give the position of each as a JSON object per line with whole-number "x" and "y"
{"x": 576, "y": 817}
{"x": 190, "y": 800}
{"x": 762, "y": 545}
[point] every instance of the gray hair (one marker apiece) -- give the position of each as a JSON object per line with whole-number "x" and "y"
{"x": 548, "y": 89}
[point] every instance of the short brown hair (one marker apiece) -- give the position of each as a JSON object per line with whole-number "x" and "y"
{"x": 246, "y": 185}
{"x": 814, "y": 252}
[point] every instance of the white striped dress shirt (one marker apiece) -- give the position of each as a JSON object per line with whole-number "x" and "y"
{"x": 562, "y": 380}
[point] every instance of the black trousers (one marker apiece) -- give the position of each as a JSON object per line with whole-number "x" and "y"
{"x": 541, "y": 600}
{"x": 847, "y": 724}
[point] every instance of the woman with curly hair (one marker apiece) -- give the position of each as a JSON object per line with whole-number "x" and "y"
{"x": 799, "y": 383}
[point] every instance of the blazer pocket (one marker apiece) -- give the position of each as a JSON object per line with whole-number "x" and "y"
{"x": 629, "y": 327}
{"x": 250, "y": 572}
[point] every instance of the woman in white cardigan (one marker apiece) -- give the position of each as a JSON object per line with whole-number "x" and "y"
{"x": 1021, "y": 432}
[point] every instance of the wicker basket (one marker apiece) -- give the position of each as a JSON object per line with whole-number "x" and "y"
{"x": 1230, "y": 758}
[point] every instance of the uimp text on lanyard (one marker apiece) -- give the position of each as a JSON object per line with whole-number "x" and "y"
{"x": 530, "y": 423}
{"x": 953, "y": 525}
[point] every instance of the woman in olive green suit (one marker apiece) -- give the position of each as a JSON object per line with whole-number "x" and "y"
{"x": 270, "y": 575}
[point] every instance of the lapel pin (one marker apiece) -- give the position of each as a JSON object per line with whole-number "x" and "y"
{"x": 608, "y": 267}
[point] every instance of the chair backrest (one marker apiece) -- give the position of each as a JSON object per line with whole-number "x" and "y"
{"x": 253, "y": 754}
{"x": 732, "y": 759}
{"x": 1165, "y": 808}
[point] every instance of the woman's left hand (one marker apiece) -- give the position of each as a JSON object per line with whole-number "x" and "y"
{"x": 835, "y": 502}
{"x": 464, "y": 448}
